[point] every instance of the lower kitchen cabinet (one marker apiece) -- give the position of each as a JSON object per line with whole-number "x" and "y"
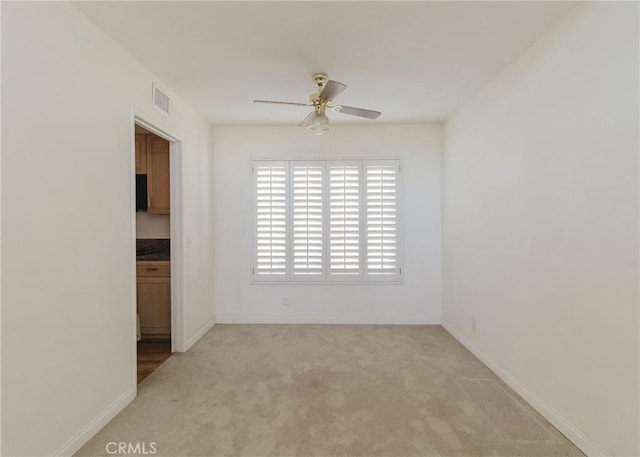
{"x": 154, "y": 299}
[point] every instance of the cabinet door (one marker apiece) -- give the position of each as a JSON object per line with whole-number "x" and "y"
{"x": 158, "y": 175}
{"x": 154, "y": 306}
{"x": 141, "y": 154}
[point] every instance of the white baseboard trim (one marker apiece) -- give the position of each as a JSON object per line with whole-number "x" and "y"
{"x": 88, "y": 431}
{"x": 200, "y": 332}
{"x": 573, "y": 434}
{"x": 339, "y": 320}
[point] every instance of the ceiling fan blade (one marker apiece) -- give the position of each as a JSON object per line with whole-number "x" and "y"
{"x": 306, "y": 122}
{"x": 281, "y": 103}
{"x": 369, "y": 114}
{"x": 331, "y": 90}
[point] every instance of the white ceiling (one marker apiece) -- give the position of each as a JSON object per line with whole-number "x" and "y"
{"x": 414, "y": 61}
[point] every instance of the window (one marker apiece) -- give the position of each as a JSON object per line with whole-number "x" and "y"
{"x": 327, "y": 221}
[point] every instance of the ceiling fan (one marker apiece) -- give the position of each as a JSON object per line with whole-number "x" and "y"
{"x": 317, "y": 120}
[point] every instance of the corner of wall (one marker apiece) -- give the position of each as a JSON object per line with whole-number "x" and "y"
{"x": 576, "y": 436}
{"x": 76, "y": 442}
{"x": 193, "y": 339}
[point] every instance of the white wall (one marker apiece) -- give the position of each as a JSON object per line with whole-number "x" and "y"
{"x": 67, "y": 298}
{"x": 151, "y": 226}
{"x": 416, "y": 301}
{"x": 540, "y": 226}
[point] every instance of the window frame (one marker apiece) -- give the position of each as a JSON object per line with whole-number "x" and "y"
{"x": 327, "y": 278}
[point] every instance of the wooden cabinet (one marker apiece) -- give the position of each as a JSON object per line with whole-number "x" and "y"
{"x": 141, "y": 154}
{"x": 153, "y": 268}
{"x": 158, "y": 175}
{"x": 154, "y": 298}
{"x": 152, "y": 159}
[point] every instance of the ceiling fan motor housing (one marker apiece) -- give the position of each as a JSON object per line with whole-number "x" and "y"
{"x": 321, "y": 80}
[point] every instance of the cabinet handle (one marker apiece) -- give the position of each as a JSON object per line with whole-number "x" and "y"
{"x": 152, "y": 269}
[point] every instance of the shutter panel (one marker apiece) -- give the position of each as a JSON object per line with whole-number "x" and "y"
{"x": 382, "y": 220}
{"x": 344, "y": 221}
{"x": 270, "y": 221}
{"x": 307, "y": 234}
{"x": 327, "y": 221}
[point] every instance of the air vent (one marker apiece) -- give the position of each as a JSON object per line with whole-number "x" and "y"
{"x": 160, "y": 99}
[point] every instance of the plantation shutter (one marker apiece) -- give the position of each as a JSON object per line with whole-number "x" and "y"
{"x": 344, "y": 220}
{"x": 382, "y": 220}
{"x": 307, "y": 200}
{"x": 270, "y": 198}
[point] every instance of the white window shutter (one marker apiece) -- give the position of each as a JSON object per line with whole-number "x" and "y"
{"x": 270, "y": 212}
{"x": 382, "y": 228}
{"x": 345, "y": 248}
{"x": 307, "y": 231}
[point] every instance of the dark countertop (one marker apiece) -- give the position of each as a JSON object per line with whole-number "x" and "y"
{"x": 153, "y": 249}
{"x": 158, "y": 256}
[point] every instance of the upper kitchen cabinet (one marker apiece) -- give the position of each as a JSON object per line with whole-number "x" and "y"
{"x": 158, "y": 175}
{"x": 152, "y": 159}
{"x": 141, "y": 154}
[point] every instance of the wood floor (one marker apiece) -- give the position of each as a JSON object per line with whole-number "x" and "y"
{"x": 151, "y": 354}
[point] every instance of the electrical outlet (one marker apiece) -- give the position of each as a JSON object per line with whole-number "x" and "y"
{"x": 474, "y": 324}
{"x": 285, "y": 301}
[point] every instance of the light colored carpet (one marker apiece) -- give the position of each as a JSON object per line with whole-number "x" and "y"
{"x": 329, "y": 390}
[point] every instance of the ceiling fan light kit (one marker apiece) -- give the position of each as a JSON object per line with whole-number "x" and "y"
{"x": 317, "y": 121}
{"x": 319, "y": 124}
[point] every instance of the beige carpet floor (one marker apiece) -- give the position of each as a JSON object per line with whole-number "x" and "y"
{"x": 329, "y": 390}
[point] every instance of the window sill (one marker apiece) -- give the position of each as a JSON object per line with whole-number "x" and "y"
{"x": 327, "y": 283}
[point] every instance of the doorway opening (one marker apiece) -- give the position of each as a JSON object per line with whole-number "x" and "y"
{"x": 156, "y": 307}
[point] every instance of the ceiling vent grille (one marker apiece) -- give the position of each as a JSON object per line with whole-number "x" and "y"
{"x": 160, "y": 99}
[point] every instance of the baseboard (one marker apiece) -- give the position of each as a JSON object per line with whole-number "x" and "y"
{"x": 339, "y": 320}
{"x": 573, "y": 434}
{"x": 88, "y": 431}
{"x": 200, "y": 332}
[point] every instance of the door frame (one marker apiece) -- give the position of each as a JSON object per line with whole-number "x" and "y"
{"x": 178, "y": 330}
